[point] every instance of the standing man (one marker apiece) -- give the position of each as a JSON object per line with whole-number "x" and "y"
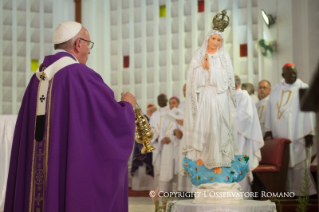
{"x": 156, "y": 122}
{"x": 167, "y": 180}
{"x": 150, "y": 110}
{"x": 285, "y": 120}
{"x": 250, "y": 138}
{"x": 183, "y": 183}
{"x": 72, "y": 139}
{"x": 264, "y": 89}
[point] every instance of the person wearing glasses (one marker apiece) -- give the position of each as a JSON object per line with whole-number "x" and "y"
{"x": 72, "y": 139}
{"x": 264, "y": 89}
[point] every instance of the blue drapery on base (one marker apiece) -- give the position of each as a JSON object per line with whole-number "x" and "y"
{"x": 200, "y": 174}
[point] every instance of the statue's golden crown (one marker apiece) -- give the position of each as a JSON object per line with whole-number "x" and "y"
{"x": 221, "y": 21}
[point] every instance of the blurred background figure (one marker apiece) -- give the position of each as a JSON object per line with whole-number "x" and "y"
{"x": 264, "y": 89}
{"x": 251, "y": 90}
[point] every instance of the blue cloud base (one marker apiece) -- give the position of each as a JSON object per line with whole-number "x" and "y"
{"x": 200, "y": 174}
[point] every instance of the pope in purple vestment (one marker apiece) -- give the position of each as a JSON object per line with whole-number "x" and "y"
{"x": 81, "y": 162}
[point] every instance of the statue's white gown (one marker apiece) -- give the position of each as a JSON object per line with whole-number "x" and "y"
{"x": 213, "y": 135}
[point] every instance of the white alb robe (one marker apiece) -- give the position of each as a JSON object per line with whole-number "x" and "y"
{"x": 7, "y": 125}
{"x": 261, "y": 109}
{"x": 183, "y": 183}
{"x": 250, "y": 138}
{"x": 254, "y": 98}
{"x": 285, "y": 120}
{"x": 168, "y": 157}
{"x": 156, "y": 122}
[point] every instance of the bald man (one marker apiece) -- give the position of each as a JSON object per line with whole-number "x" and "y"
{"x": 264, "y": 89}
{"x": 72, "y": 139}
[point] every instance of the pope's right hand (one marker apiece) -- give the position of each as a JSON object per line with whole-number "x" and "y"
{"x": 130, "y": 98}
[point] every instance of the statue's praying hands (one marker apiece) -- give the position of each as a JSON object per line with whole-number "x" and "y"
{"x": 206, "y": 62}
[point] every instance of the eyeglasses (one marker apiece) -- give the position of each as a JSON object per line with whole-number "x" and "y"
{"x": 90, "y": 43}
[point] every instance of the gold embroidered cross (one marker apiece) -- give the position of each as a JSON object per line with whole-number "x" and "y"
{"x": 280, "y": 113}
{"x": 38, "y": 199}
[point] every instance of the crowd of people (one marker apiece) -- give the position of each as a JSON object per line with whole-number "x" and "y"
{"x": 271, "y": 114}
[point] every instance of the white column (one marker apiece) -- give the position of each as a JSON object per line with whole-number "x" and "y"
{"x": 260, "y": 36}
{"x": 156, "y": 50}
{"x": 181, "y": 45}
{"x": 119, "y": 50}
{"x": 28, "y": 42}
{"x": 169, "y": 49}
{"x": 208, "y": 20}
{"x": 132, "y": 48}
{"x": 235, "y": 44}
{"x": 194, "y": 11}
{"x": 107, "y": 44}
{"x": 14, "y": 57}
{"x": 250, "y": 44}
{"x": 143, "y": 56}
{"x": 1, "y": 56}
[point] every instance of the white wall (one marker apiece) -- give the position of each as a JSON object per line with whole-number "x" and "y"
{"x": 296, "y": 32}
{"x": 26, "y": 32}
{"x": 160, "y": 49}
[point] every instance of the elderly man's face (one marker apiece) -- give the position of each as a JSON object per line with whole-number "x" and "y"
{"x": 84, "y": 48}
{"x": 263, "y": 90}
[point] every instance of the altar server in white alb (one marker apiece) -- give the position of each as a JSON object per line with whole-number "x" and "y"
{"x": 156, "y": 121}
{"x": 168, "y": 146}
{"x": 285, "y": 120}
{"x": 264, "y": 89}
{"x": 183, "y": 183}
{"x": 249, "y": 135}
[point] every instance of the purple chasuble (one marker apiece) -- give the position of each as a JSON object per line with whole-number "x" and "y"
{"x": 81, "y": 162}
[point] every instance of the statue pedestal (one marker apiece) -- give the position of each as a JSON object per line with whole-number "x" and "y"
{"x": 218, "y": 193}
{"x": 246, "y": 205}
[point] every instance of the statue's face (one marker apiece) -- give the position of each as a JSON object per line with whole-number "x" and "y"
{"x": 214, "y": 42}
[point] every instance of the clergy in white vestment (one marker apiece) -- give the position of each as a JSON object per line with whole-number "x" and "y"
{"x": 251, "y": 91}
{"x": 285, "y": 120}
{"x": 210, "y": 136}
{"x": 7, "y": 125}
{"x": 250, "y": 138}
{"x": 167, "y": 180}
{"x": 156, "y": 121}
{"x": 183, "y": 183}
{"x": 264, "y": 89}
{"x": 150, "y": 110}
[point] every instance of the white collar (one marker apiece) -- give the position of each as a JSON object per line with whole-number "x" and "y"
{"x": 62, "y": 50}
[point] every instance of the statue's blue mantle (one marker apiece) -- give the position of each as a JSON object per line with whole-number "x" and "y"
{"x": 200, "y": 174}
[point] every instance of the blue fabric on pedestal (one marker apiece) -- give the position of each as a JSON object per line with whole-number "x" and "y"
{"x": 200, "y": 174}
